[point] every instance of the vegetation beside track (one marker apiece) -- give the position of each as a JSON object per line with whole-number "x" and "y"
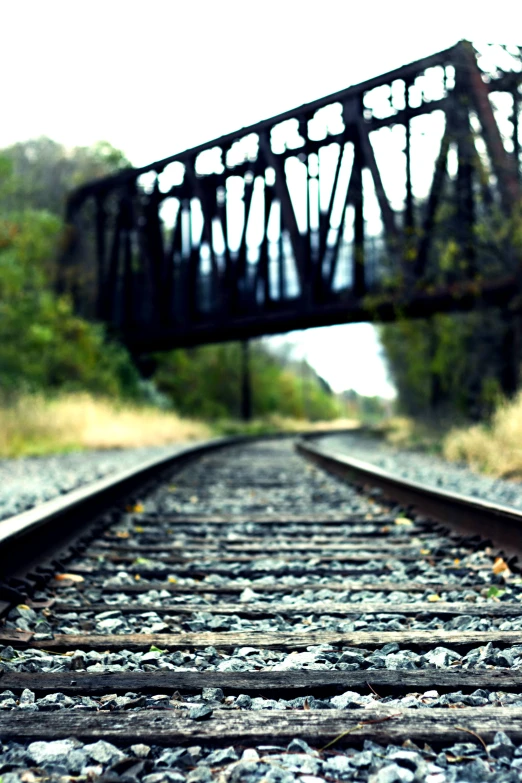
{"x": 495, "y": 447}
{"x": 65, "y": 384}
{"x": 37, "y": 425}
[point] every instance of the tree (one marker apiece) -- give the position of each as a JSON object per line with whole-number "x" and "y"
{"x": 42, "y": 172}
{"x": 461, "y": 363}
{"x": 43, "y": 344}
{"x": 206, "y": 382}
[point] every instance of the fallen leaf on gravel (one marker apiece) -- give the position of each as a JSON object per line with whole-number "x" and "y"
{"x": 500, "y": 565}
{"x": 138, "y": 529}
{"x": 434, "y": 597}
{"x": 494, "y": 592}
{"x": 137, "y": 508}
{"x": 403, "y": 521}
{"x": 122, "y": 534}
{"x": 69, "y": 577}
{"x": 425, "y": 551}
{"x": 194, "y": 499}
{"x": 137, "y": 577}
{"x": 172, "y": 579}
{"x": 456, "y": 561}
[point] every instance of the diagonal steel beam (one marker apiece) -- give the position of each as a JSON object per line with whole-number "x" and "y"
{"x": 287, "y": 208}
{"x": 502, "y": 163}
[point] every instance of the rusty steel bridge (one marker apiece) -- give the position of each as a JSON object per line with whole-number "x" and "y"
{"x": 396, "y": 197}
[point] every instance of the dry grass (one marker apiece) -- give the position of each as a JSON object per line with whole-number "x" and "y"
{"x": 277, "y": 423}
{"x": 495, "y": 449}
{"x": 407, "y": 433}
{"x": 298, "y": 425}
{"x": 399, "y": 431}
{"x": 36, "y": 425}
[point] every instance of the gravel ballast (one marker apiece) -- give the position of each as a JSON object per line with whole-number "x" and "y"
{"x": 297, "y": 762}
{"x": 29, "y": 481}
{"x": 255, "y": 486}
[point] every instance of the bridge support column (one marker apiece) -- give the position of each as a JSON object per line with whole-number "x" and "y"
{"x": 511, "y": 358}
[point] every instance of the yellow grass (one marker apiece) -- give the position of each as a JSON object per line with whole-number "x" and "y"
{"x": 36, "y": 425}
{"x": 495, "y": 449}
{"x": 407, "y": 433}
{"x": 399, "y": 431}
{"x": 298, "y": 425}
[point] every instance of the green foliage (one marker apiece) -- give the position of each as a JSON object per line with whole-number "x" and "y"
{"x": 231, "y": 427}
{"x": 206, "y": 382}
{"x": 367, "y": 410}
{"x": 460, "y": 364}
{"x": 452, "y": 364}
{"x": 38, "y": 174}
{"x": 43, "y": 344}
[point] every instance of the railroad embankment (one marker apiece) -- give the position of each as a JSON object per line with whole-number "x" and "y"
{"x": 491, "y": 447}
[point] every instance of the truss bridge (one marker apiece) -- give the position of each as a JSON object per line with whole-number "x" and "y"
{"x": 396, "y": 197}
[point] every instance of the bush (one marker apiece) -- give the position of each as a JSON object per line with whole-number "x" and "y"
{"x": 493, "y": 448}
{"x": 43, "y": 344}
{"x": 206, "y": 382}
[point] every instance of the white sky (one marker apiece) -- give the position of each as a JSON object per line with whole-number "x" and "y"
{"x": 157, "y": 76}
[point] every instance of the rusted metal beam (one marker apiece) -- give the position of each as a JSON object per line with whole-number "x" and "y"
{"x": 347, "y": 309}
{"x": 287, "y": 208}
{"x": 157, "y": 278}
{"x": 500, "y": 160}
{"x": 388, "y": 215}
{"x": 433, "y": 203}
{"x": 402, "y": 72}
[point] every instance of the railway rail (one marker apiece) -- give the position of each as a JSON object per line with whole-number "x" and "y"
{"x": 237, "y": 612}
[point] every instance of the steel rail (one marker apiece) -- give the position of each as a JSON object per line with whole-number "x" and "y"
{"x": 35, "y": 535}
{"x": 500, "y": 524}
{"x": 248, "y": 471}
{"x": 32, "y": 536}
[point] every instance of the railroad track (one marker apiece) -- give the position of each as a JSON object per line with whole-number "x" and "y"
{"x": 242, "y": 614}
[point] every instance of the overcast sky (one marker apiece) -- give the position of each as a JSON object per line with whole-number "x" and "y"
{"x": 157, "y": 76}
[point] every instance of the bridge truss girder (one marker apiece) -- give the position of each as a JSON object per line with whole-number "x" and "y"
{"x": 272, "y": 228}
